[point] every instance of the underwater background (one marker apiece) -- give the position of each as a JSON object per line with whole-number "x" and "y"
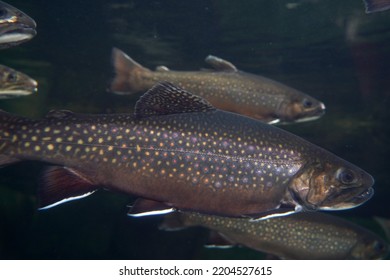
{"x": 328, "y": 49}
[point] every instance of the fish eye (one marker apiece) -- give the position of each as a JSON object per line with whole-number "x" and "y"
{"x": 3, "y": 13}
{"x": 345, "y": 176}
{"x": 307, "y": 103}
{"x": 12, "y": 77}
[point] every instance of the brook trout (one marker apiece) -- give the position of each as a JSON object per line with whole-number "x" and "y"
{"x": 179, "y": 152}
{"x": 225, "y": 88}
{"x": 14, "y": 83}
{"x": 15, "y": 26}
{"x": 306, "y": 235}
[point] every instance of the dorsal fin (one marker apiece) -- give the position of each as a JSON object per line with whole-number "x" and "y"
{"x": 59, "y": 114}
{"x": 166, "y": 98}
{"x": 220, "y": 64}
{"x": 162, "y": 68}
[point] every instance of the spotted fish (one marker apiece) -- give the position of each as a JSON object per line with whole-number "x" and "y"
{"x": 14, "y": 83}
{"x": 305, "y": 235}
{"x": 225, "y": 88}
{"x": 15, "y": 26}
{"x": 179, "y": 152}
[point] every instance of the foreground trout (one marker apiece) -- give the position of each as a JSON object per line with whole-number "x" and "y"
{"x": 14, "y": 83}
{"x": 15, "y": 26}
{"x": 179, "y": 152}
{"x": 225, "y": 88}
{"x": 306, "y": 235}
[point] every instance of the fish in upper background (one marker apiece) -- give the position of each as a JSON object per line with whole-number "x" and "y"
{"x": 179, "y": 152}
{"x": 226, "y": 88}
{"x": 373, "y": 6}
{"x": 15, "y": 26}
{"x": 14, "y": 83}
{"x": 305, "y": 235}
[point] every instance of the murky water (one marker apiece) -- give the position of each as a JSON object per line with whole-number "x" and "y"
{"x": 329, "y": 49}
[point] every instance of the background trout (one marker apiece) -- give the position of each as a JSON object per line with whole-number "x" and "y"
{"x": 179, "y": 152}
{"x": 306, "y": 235}
{"x": 225, "y": 88}
{"x": 14, "y": 83}
{"x": 15, "y": 26}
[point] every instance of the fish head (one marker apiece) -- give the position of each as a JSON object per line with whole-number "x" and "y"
{"x": 331, "y": 185}
{"x": 14, "y": 83}
{"x": 300, "y": 108}
{"x": 15, "y": 26}
{"x": 370, "y": 247}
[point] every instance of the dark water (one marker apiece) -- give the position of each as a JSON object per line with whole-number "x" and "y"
{"x": 329, "y": 49}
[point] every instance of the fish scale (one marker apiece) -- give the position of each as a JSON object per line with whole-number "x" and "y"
{"x": 183, "y": 153}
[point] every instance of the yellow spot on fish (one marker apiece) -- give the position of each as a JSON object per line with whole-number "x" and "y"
{"x": 50, "y": 147}
{"x": 138, "y": 148}
{"x": 68, "y": 148}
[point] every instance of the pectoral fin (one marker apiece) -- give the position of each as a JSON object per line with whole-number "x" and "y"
{"x": 280, "y": 212}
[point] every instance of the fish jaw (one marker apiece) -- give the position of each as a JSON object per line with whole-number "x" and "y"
{"x": 332, "y": 186}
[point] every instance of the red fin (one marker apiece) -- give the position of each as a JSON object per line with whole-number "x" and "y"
{"x": 127, "y": 73}
{"x": 145, "y": 207}
{"x": 216, "y": 240}
{"x": 62, "y": 184}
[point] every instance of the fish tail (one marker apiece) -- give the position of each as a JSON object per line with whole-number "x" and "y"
{"x": 128, "y": 74}
{"x": 7, "y": 134}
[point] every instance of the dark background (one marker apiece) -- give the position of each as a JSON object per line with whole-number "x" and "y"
{"x": 329, "y": 49}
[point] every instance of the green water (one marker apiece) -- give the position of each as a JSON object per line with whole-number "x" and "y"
{"x": 328, "y": 49}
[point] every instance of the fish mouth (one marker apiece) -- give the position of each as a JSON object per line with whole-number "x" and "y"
{"x": 17, "y": 33}
{"x": 352, "y": 202}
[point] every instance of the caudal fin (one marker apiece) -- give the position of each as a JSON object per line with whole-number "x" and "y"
{"x": 128, "y": 74}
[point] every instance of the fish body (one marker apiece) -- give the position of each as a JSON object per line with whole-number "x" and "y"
{"x": 373, "y": 6}
{"x": 15, "y": 26}
{"x": 180, "y": 152}
{"x": 225, "y": 88}
{"x": 14, "y": 83}
{"x": 305, "y": 235}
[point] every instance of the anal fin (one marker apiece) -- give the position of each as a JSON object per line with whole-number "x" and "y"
{"x": 62, "y": 184}
{"x": 217, "y": 240}
{"x": 146, "y": 207}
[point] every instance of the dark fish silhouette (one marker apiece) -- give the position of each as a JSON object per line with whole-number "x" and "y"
{"x": 179, "y": 152}
{"x": 14, "y": 83}
{"x": 373, "y": 6}
{"x": 305, "y": 235}
{"x": 225, "y": 88}
{"x": 15, "y": 26}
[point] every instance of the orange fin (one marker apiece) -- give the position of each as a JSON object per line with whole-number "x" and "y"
{"x": 62, "y": 184}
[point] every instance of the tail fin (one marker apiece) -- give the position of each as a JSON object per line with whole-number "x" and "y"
{"x": 6, "y": 122}
{"x": 128, "y": 74}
